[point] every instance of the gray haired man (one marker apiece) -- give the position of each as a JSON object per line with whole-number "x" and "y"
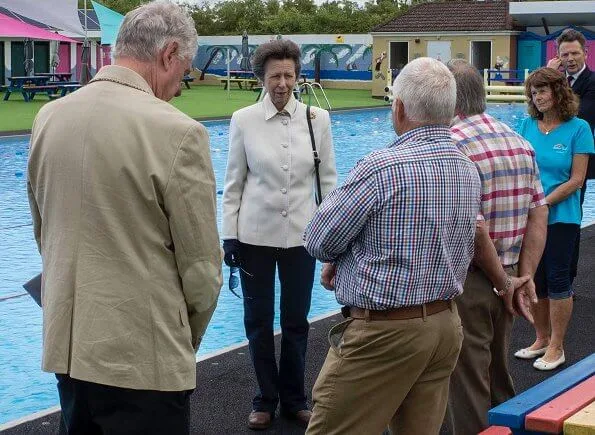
{"x": 399, "y": 234}
{"x": 509, "y": 241}
{"x": 122, "y": 196}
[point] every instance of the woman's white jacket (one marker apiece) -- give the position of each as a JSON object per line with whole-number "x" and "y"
{"x": 268, "y": 198}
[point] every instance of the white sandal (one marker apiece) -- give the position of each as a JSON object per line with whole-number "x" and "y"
{"x": 540, "y": 364}
{"x": 527, "y": 353}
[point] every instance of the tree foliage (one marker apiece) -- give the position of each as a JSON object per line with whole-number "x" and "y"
{"x": 232, "y": 17}
{"x": 121, "y": 6}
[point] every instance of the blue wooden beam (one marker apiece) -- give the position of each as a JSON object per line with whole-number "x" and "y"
{"x": 512, "y": 412}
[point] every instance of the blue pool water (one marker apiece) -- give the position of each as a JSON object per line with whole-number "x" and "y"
{"x": 24, "y": 388}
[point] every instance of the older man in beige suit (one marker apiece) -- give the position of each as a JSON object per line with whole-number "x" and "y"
{"x": 122, "y": 194}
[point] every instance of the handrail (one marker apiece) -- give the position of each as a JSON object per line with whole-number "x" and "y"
{"x": 311, "y": 86}
{"x": 299, "y": 90}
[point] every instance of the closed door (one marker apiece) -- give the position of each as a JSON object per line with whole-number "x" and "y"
{"x": 64, "y": 55}
{"x": 439, "y": 50}
{"x": 528, "y": 55}
{"x": 41, "y": 56}
{"x": 17, "y": 59}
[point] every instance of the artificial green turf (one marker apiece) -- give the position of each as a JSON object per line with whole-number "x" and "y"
{"x": 198, "y": 102}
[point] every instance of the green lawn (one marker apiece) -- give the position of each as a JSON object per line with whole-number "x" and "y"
{"x": 200, "y": 102}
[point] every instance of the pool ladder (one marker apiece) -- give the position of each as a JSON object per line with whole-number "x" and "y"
{"x": 303, "y": 88}
{"x": 308, "y": 89}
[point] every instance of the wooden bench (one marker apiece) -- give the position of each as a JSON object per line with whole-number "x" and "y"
{"x": 52, "y": 91}
{"x": 551, "y": 416}
{"x": 512, "y": 413}
{"x": 69, "y": 87}
{"x": 246, "y": 82}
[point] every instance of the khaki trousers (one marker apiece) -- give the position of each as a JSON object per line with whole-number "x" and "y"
{"x": 481, "y": 379}
{"x": 389, "y": 372}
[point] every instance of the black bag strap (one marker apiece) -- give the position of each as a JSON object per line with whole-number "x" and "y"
{"x": 318, "y": 192}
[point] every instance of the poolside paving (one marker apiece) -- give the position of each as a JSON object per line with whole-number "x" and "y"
{"x": 222, "y": 400}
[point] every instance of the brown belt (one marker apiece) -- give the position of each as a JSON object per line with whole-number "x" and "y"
{"x": 402, "y": 313}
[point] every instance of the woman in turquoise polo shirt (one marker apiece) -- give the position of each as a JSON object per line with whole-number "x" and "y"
{"x": 562, "y": 144}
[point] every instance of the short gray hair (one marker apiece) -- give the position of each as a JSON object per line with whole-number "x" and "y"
{"x": 278, "y": 49}
{"x": 471, "y": 93}
{"x": 147, "y": 29}
{"x": 428, "y": 91}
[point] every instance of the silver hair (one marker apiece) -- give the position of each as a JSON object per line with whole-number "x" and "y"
{"x": 428, "y": 91}
{"x": 471, "y": 94}
{"x": 147, "y": 29}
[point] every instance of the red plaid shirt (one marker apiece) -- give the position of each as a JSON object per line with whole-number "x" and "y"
{"x": 509, "y": 176}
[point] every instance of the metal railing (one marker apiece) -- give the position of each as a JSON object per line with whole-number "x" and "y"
{"x": 308, "y": 89}
{"x": 303, "y": 88}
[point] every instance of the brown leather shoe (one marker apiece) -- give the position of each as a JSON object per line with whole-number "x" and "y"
{"x": 303, "y": 417}
{"x": 259, "y": 420}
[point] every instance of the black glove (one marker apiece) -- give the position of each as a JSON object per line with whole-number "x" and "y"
{"x": 231, "y": 248}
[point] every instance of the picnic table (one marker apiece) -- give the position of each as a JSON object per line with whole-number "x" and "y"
{"x": 29, "y": 86}
{"x": 240, "y": 77}
{"x": 57, "y": 76}
{"x": 18, "y": 83}
{"x": 241, "y": 74}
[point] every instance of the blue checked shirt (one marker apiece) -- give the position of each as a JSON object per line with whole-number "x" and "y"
{"x": 401, "y": 228}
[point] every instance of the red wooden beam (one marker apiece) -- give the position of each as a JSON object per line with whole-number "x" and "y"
{"x": 550, "y": 417}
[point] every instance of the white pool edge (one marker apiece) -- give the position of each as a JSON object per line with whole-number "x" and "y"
{"x": 45, "y": 412}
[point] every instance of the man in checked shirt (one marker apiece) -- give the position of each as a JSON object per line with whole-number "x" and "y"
{"x": 399, "y": 234}
{"x": 508, "y": 243}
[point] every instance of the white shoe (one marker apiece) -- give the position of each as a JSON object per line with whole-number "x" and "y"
{"x": 540, "y": 364}
{"x": 527, "y": 353}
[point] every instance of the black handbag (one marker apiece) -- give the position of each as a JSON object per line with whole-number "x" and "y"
{"x": 318, "y": 191}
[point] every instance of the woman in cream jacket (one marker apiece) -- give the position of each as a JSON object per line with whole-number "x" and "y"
{"x": 267, "y": 202}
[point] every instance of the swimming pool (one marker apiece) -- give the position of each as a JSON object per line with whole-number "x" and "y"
{"x": 24, "y": 388}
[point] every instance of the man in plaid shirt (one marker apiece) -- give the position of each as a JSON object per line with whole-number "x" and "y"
{"x": 509, "y": 242}
{"x": 400, "y": 235}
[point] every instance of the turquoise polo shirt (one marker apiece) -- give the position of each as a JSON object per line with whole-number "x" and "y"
{"x": 554, "y": 153}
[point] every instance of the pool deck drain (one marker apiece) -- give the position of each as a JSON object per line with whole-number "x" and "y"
{"x": 225, "y": 386}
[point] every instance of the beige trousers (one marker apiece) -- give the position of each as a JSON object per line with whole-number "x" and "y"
{"x": 481, "y": 379}
{"x": 389, "y": 372}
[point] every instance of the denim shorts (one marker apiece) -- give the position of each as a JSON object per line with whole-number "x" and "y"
{"x": 553, "y": 275}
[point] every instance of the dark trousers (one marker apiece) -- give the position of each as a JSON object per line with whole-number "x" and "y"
{"x": 89, "y": 409}
{"x": 481, "y": 379}
{"x": 553, "y": 278}
{"x": 576, "y": 253}
{"x": 296, "y": 275}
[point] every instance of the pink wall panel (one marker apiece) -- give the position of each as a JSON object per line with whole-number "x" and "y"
{"x": 551, "y": 50}
{"x": 106, "y": 54}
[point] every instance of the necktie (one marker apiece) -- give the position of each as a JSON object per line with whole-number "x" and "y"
{"x": 570, "y": 80}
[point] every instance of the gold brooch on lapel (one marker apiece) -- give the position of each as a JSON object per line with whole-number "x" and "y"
{"x": 312, "y": 114}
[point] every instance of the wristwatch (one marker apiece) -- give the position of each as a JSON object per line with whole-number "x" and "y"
{"x": 507, "y": 285}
